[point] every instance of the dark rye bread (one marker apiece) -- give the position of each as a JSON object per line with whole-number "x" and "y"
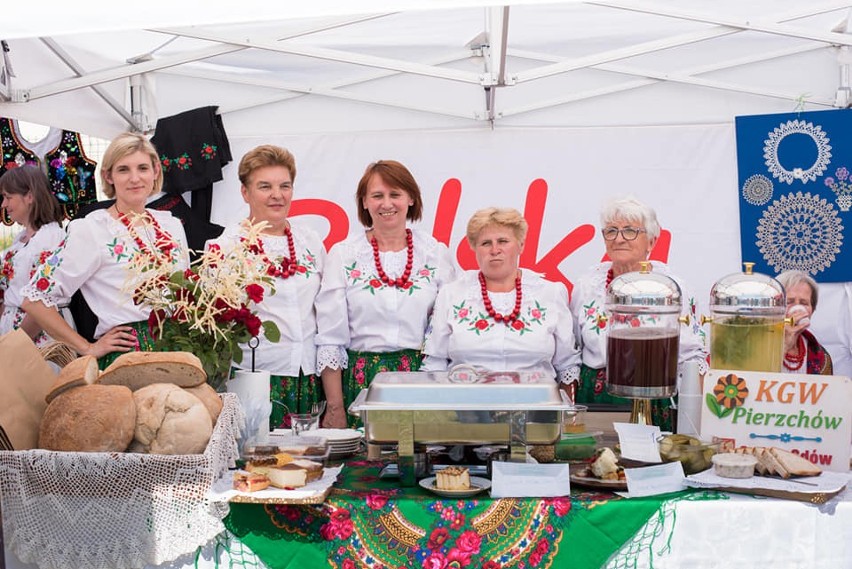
{"x": 80, "y": 372}
{"x": 139, "y": 369}
{"x": 93, "y": 418}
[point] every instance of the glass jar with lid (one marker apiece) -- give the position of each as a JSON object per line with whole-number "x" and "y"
{"x": 747, "y": 322}
{"x": 644, "y": 315}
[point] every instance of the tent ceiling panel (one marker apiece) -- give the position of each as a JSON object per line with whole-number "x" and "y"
{"x": 383, "y": 65}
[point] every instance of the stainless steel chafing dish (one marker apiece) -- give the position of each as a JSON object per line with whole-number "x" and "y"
{"x": 460, "y": 407}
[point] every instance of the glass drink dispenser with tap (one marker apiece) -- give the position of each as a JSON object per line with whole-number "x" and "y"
{"x": 747, "y": 322}
{"x": 643, "y": 309}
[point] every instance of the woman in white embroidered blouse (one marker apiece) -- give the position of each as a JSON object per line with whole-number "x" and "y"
{"x": 29, "y": 203}
{"x": 630, "y": 230}
{"x": 97, "y": 251}
{"x": 502, "y": 317}
{"x": 295, "y": 258}
{"x": 378, "y": 289}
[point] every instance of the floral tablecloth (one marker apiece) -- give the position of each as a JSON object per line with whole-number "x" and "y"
{"x": 369, "y": 522}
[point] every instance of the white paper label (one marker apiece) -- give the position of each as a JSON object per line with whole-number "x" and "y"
{"x": 638, "y": 442}
{"x": 523, "y": 480}
{"x": 653, "y": 480}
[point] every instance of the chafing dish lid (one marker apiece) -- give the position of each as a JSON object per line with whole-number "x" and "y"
{"x": 643, "y": 291}
{"x": 436, "y": 390}
{"x": 748, "y": 292}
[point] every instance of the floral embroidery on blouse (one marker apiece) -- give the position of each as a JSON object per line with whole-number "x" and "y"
{"x": 7, "y": 273}
{"x": 208, "y": 151}
{"x": 118, "y": 250}
{"x": 49, "y": 261}
{"x": 595, "y": 316}
{"x": 481, "y": 322}
{"x": 372, "y": 282}
{"x": 306, "y": 267}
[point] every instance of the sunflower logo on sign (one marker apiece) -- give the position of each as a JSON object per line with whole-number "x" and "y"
{"x": 729, "y": 393}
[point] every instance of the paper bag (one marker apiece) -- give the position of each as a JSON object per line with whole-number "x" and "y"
{"x": 23, "y": 387}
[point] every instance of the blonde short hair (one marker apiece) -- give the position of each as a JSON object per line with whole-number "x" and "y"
{"x": 504, "y": 217}
{"x": 263, "y": 156}
{"x": 123, "y": 145}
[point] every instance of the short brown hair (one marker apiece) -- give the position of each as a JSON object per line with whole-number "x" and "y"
{"x": 30, "y": 180}
{"x": 395, "y": 175}
{"x": 504, "y": 217}
{"x": 263, "y": 156}
{"x": 123, "y": 145}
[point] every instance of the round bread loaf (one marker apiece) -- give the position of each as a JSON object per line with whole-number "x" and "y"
{"x": 80, "y": 372}
{"x": 170, "y": 420}
{"x": 210, "y": 399}
{"x": 92, "y": 418}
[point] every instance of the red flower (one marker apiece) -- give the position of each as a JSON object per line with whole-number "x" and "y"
{"x": 438, "y": 538}
{"x": 301, "y": 269}
{"x": 535, "y": 313}
{"x": 155, "y": 320}
{"x": 601, "y": 323}
{"x": 255, "y": 292}
{"x": 253, "y": 324}
{"x": 535, "y": 559}
{"x": 634, "y": 322}
{"x": 407, "y": 285}
{"x": 375, "y": 283}
{"x": 561, "y": 506}
{"x": 435, "y": 561}
{"x": 348, "y": 564}
{"x": 458, "y": 522}
{"x": 518, "y": 325}
{"x": 542, "y": 547}
{"x": 377, "y": 501}
{"x": 481, "y": 324}
{"x": 457, "y": 558}
{"x": 190, "y": 275}
{"x": 491, "y": 564}
{"x": 42, "y": 284}
{"x": 469, "y": 542}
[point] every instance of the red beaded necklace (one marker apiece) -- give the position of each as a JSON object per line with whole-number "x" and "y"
{"x": 508, "y": 318}
{"x": 288, "y": 266}
{"x": 609, "y": 277}
{"x": 797, "y": 360}
{"x": 409, "y": 262}
{"x": 163, "y": 241}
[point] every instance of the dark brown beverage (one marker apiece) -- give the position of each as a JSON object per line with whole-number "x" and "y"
{"x": 642, "y": 362}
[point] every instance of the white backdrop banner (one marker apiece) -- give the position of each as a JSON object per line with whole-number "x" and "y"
{"x": 558, "y": 178}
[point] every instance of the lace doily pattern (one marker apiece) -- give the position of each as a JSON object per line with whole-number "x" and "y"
{"x": 777, "y": 136}
{"x": 800, "y": 231}
{"x": 115, "y": 510}
{"x": 757, "y": 190}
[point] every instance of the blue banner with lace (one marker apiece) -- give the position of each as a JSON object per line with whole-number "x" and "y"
{"x": 795, "y": 192}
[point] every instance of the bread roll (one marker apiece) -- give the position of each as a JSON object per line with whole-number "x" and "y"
{"x": 80, "y": 372}
{"x": 138, "y": 369}
{"x": 170, "y": 420}
{"x": 94, "y": 418}
{"x": 210, "y": 398}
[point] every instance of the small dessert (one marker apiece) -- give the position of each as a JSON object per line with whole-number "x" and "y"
{"x": 277, "y": 459}
{"x": 453, "y": 478}
{"x": 605, "y": 466}
{"x": 734, "y": 465}
{"x": 250, "y": 482}
{"x": 295, "y": 474}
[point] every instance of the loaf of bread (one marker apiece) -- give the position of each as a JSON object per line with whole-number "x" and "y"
{"x": 80, "y": 372}
{"x": 93, "y": 418}
{"x": 170, "y": 420}
{"x": 138, "y": 369}
{"x": 210, "y": 398}
{"x": 773, "y": 461}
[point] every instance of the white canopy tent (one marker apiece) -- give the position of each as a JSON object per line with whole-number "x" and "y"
{"x": 595, "y": 97}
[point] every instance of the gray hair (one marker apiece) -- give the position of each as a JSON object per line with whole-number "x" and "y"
{"x": 631, "y": 209}
{"x": 789, "y": 279}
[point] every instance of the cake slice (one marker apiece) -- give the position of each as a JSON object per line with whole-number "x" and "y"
{"x": 296, "y": 474}
{"x": 250, "y": 482}
{"x": 453, "y": 478}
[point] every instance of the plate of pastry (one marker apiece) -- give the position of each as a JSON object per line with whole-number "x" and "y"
{"x": 602, "y": 472}
{"x": 455, "y": 482}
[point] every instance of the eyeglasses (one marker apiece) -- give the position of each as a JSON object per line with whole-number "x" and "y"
{"x": 628, "y": 233}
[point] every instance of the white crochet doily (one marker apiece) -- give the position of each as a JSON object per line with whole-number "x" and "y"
{"x": 115, "y": 510}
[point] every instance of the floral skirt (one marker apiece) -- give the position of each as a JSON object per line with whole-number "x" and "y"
{"x": 298, "y": 393}
{"x": 144, "y": 343}
{"x": 363, "y": 367}
{"x": 592, "y": 390}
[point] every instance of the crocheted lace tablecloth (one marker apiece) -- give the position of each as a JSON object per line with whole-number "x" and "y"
{"x": 115, "y": 510}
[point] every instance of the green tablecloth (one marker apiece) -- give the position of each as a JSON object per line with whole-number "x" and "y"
{"x": 372, "y": 522}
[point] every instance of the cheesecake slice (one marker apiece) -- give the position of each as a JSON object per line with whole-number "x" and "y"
{"x": 453, "y": 478}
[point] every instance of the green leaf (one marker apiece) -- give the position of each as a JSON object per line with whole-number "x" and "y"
{"x": 271, "y": 331}
{"x": 725, "y": 413}
{"x": 714, "y": 406}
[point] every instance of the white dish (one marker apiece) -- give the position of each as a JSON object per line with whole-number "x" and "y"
{"x": 477, "y": 485}
{"x": 337, "y": 435}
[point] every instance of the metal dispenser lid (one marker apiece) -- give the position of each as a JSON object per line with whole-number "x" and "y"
{"x": 643, "y": 291}
{"x": 748, "y": 293}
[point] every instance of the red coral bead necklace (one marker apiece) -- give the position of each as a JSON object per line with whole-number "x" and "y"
{"x": 286, "y": 269}
{"x": 796, "y": 361}
{"x": 409, "y": 261}
{"x": 163, "y": 241}
{"x": 507, "y": 319}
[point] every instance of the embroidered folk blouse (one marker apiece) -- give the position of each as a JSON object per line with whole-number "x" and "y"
{"x": 540, "y": 340}
{"x": 587, "y": 306}
{"x": 94, "y": 259}
{"x": 291, "y": 306}
{"x": 20, "y": 262}
{"x": 356, "y": 311}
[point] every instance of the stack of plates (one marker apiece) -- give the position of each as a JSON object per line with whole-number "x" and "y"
{"x": 341, "y": 442}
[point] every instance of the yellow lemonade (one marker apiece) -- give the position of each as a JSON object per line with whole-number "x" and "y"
{"x": 745, "y": 343}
